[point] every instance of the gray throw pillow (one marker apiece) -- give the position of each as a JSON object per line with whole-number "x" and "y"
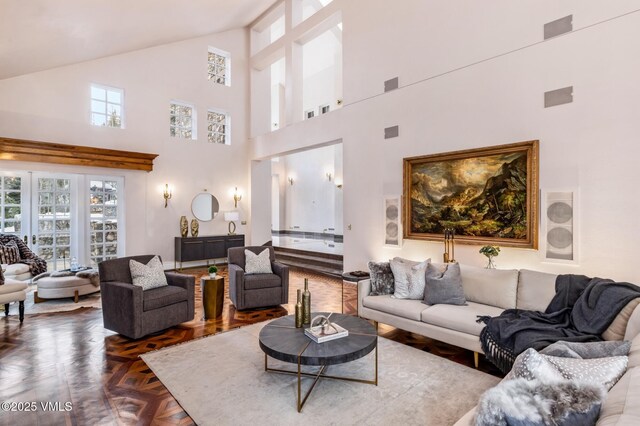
{"x": 587, "y": 350}
{"x": 257, "y": 263}
{"x": 148, "y": 276}
{"x": 408, "y": 277}
{"x": 381, "y": 278}
{"x": 444, "y": 287}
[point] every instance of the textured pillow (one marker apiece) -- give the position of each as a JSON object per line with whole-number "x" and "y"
{"x": 618, "y": 326}
{"x": 444, "y": 287}
{"x": 9, "y": 253}
{"x": 408, "y": 278}
{"x": 587, "y": 350}
{"x": 381, "y": 278}
{"x": 551, "y": 369}
{"x": 494, "y": 287}
{"x": 148, "y": 276}
{"x": 257, "y": 263}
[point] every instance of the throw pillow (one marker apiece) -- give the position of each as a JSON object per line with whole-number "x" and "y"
{"x": 618, "y": 326}
{"x": 587, "y": 350}
{"x": 408, "y": 278}
{"x": 148, "y": 276}
{"x": 9, "y": 253}
{"x": 532, "y": 365}
{"x": 257, "y": 263}
{"x": 522, "y": 402}
{"x": 381, "y": 278}
{"x": 444, "y": 287}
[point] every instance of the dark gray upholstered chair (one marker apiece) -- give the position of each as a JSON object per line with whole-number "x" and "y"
{"x": 134, "y": 313}
{"x": 256, "y": 290}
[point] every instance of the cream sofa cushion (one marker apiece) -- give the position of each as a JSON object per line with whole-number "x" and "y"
{"x": 459, "y": 317}
{"x": 535, "y": 290}
{"x": 618, "y": 327}
{"x": 634, "y": 353}
{"x": 12, "y": 286}
{"x": 405, "y": 308}
{"x": 495, "y": 287}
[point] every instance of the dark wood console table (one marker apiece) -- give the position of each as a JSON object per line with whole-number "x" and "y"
{"x": 191, "y": 249}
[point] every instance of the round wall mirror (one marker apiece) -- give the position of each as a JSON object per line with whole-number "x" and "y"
{"x": 204, "y": 206}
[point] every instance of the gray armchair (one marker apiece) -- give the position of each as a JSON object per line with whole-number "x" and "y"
{"x": 256, "y": 290}
{"x": 134, "y": 313}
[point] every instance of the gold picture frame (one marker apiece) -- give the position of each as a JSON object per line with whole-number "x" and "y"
{"x": 486, "y": 195}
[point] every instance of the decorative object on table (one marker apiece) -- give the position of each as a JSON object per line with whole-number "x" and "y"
{"x": 213, "y": 269}
{"x": 490, "y": 252}
{"x": 232, "y": 217}
{"x": 236, "y": 197}
{"x": 184, "y": 227}
{"x": 489, "y": 195}
{"x": 306, "y": 303}
{"x": 166, "y": 194}
{"x": 323, "y": 330}
{"x": 449, "y": 246}
{"x": 299, "y": 317}
{"x": 195, "y": 227}
{"x": 559, "y": 225}
{"x": 392, "y": 233}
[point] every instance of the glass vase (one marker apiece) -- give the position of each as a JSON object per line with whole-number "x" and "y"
{"x": 490, "y": 264}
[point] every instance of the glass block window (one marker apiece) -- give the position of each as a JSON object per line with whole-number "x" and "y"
{"x": 107, "y": 106}
{"x": 103, "y": 222}
{"x": 218, "y": 127}
{"x": 10, "y": 204}
{"x": 219, "y": 64}
{"x": 182, "y": 120}
{"x": 54, "y": 222}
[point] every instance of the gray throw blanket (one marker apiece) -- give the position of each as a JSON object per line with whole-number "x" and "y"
{"x": 92, "y": 274}
{"x": 581, "y": 311}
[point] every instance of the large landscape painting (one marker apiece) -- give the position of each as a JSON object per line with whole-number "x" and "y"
{"x": 487, "y": 195}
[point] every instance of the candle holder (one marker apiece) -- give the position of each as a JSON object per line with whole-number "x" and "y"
{"x": 449, "y": 246}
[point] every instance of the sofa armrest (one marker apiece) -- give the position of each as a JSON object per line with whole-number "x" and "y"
{"x": 364, "y": 289}
{"x": 236, "y": 283}
{"x": 283, "y": 272}
{"x": 122, "y": 307}
{"x": 188, "y": 282}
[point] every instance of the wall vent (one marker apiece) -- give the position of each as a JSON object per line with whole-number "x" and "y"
{"x": 391, "y": 132}
{"x": 558, "y": 97}
{"x": 391, "y": 84}
{"x": 557, "y": 27}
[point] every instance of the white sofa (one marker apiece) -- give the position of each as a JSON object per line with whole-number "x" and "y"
{"x": 490, "y": 292}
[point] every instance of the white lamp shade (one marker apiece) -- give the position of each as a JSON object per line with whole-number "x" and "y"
{"x": 231, "y": 216}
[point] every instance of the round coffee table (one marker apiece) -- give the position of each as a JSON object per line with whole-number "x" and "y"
{"x": 280, "y": 339}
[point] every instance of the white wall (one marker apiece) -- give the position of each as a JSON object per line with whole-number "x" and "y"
{"x": 473, "y": 74}
{"x": 53, "y": 106}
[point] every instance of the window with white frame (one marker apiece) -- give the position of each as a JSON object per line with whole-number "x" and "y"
{"x": 218, "y": 127}
{"x": 107, "y": 105}
{"x": 219, "y": 66}
{"x": 182, "y": 120}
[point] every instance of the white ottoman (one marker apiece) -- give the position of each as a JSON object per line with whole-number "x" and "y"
{"x": 13, "y": 291}
{"x": 61, "y": 287}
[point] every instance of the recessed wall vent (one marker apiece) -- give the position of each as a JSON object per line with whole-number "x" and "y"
{"x": 391, "y": 84}
{"x": 558, "y": 97}
{"x": 391, "y": 132}
{"x": 557, "y": 27}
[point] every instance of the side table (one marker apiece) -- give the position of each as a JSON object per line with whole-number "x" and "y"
{"x": 353, "y": 277}
{"x": 212, "y": 296}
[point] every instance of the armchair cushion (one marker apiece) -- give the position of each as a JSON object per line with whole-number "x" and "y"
{"x": 163, "y": 296}
{"x": 257, "y": 263}
{"x": 255, "y": 281}
{"x": 148, "y": 276}
{"x": 15, "y": 269}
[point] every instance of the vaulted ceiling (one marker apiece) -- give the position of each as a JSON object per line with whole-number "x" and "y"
{"x": 36, "y": 35}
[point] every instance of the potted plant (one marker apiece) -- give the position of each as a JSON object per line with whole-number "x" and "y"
{"x": 490, "y": 252}
{"x": 213, "y": 269}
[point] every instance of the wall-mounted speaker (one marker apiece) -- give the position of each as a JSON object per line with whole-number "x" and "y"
{"x": 392, "y": 221}
{"x": 559, "y": 218}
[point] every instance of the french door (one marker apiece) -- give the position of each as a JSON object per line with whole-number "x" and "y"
{"x": 61, "y": 216}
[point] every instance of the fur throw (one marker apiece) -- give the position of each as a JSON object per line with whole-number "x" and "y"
{"x": 92, "y": 274}
{"x": 533, "y": 402}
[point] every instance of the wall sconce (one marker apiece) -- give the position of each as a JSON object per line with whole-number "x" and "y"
{"x": 290, "y": 181}
{"x": 231, "y": 217}
{"x": 329, "y": 176}
{"x": 236, "y": 197}
{"x": 167, "y": 194}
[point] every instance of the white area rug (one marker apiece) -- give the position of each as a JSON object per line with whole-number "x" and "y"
{"x": 220, "y": 380}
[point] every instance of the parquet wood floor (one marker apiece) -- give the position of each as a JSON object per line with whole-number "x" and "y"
{"x": 70, "y": 357}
